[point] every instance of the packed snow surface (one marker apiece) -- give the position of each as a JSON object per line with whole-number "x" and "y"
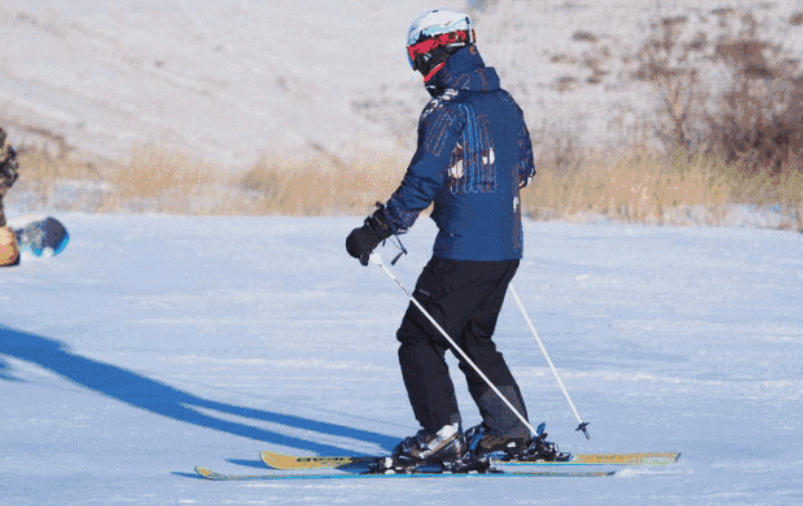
{"x": 155, "y": 344}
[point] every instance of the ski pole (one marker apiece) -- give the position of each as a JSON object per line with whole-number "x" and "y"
{"x": 583, "y": 425}
{"x": 376, "y": 258}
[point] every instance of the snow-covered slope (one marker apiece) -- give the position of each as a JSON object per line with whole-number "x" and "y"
{"x": 233, "y": 81}
{"x": 154, "y": 344}
{"x": 227, "y": 81}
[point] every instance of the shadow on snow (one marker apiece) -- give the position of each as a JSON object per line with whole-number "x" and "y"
{"x": 161, "y": 399}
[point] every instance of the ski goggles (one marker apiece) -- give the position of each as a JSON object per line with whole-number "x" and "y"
{"x": 424, "y": 47}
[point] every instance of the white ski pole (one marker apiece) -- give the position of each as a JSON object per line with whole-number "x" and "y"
{"x": 583, "y": 425}
{"x": 376, "y": 258}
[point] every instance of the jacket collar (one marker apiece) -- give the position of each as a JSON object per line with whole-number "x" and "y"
{"x": 464, "y": 70}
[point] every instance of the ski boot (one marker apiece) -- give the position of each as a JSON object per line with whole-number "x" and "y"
{"x": 426, "y": 452}
{"x": 541, "y": 449}
{"x": 482, "y": 442}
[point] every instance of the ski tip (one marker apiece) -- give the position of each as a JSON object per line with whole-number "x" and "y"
{"x": 206, "y": 473}
{"x": 277, "y": 460}
{"x": 267, "y": 458}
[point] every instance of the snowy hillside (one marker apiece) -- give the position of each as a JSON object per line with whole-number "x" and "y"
{"x": 573, "y": 65}
{"x": 154, "y": 344}
{"x": 230, "y": 82}
{"x": 227, "y": 82}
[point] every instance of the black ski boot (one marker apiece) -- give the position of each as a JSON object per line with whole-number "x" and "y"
{"x": 541, "y": 449}
{"x": 426, "y": 452}
{"x": 482, "y": 442}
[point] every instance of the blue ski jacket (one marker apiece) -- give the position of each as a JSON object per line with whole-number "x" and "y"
{"x": 474, "y": 155}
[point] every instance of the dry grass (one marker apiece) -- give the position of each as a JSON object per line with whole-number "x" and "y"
{"x": 319, "y": 186}
{"x": 650, "y": 189}
{"x": 40, "y": 174}
{"x": 154, "y": 171}
{"x": 38, "y": 165}
{"x": 639, "y": 187}
{"x": 161, "y": 181}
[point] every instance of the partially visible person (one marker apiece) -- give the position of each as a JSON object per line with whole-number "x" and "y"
{"x": 9, "y": 249}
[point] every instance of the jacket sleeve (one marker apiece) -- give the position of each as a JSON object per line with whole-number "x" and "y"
{"x": 438, "y": 133}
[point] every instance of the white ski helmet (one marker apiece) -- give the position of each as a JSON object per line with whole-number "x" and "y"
{"x": 436, "y": 34}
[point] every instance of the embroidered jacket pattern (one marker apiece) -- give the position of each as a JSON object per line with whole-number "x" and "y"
{"x": 474, "y": 154}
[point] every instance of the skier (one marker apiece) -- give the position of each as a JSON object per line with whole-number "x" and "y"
{"x": 9, "y": 250}
{"x": 474, "y": 155}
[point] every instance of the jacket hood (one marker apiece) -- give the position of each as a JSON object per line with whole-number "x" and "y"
{"x": 464, "y": 70}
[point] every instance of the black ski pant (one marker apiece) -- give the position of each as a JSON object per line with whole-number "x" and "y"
{"x": 465, "y": 298}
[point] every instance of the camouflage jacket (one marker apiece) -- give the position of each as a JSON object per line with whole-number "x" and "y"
{"x": 8, "y": 163}
{"x": 8, "y": 171}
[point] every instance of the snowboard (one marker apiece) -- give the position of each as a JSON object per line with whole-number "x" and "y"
{"x": 43, "y": 238}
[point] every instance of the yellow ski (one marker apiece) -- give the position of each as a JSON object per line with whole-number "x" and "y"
{"x": 281, "y": 461}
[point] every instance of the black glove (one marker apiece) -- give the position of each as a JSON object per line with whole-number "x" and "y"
{"x": 362, "y": 241}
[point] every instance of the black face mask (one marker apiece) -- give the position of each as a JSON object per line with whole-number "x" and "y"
{"x": 433, "y": 90}
{"x": 427, "y": 62}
